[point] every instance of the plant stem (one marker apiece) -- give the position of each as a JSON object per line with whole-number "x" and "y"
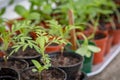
{"x": 39, "y": 76}
{"x": 72, "y": 32}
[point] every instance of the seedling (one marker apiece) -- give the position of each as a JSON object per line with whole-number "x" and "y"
{"x": 44, "y": 40}
{"x": 10, "y": 37}
{"x": 86, "y": 49}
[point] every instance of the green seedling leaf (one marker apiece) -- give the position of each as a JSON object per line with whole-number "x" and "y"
{"x": 2, "y": 29}
{"x": 94, "y": 48}
{"x": 34, "y": 70}
{"x": 2, "y": 11}
{"x": 88, "y": 54}
{"x": 11, "y": 2}
{"x": 37, "y": 64}
{"x": 82, "y": 51}
{"x": 47, "y": 9}
{"x": 34, "y": 15}
{"x": 36, "y": 2}
{"x": 41, "y": 42}
{"x": 21, "y": 11}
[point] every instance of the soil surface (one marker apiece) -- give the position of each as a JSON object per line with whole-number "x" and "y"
{"x": 15, "y": 64}
{"x": 112, "y": 72}
{"x": 99, "y": 36}
{"x": 63, "y": 61}
{"x": 27, "y": 53}
{"x": 51, "y": 74}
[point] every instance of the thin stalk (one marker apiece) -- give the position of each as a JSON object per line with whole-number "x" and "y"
{"x": 95, "y": 24}
{"x": 113, "y": 24}
{"x": 118, "y": 15}
{"x": 39, "y": 76}
{"x": 72, "y": 32}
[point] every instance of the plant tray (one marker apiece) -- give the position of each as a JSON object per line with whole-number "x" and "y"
{"x": 107, "y": 60}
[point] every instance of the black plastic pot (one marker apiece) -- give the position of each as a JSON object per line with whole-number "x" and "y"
{"x": 71, "y": 70}
{"x": 23, "y": 73}
{"x": 9, "y": 74}
{"x": 26, "y": 57}
{"x": 22, "y": 62}
{"x": 83, "y": 76}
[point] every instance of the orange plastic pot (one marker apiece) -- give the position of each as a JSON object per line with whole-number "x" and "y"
{"x": 109, "y": 44}
{"x": 116, "y": 36}
{"x": 1, "y": 54}
{"x": 101, "y": 43}
{"x": 53, "y": 48}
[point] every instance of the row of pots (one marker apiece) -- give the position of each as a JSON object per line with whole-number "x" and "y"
{"x": 110, "y": 38}
{"x": 71, "y": 71}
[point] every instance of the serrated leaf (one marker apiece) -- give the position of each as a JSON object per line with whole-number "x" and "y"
{"x": 41, "y": 42}
{"x": 25, "y": 46}
{"x": 94, "y": 48}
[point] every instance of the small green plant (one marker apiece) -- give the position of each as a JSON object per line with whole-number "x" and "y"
{"x": 11, "y": 36}
{"x": 5, "y": 36}
{"x": 86, "y": 49}
{"x": 39, "y": 10}
{"x": 43, "y": 40}
{"x": 58, "y": 30}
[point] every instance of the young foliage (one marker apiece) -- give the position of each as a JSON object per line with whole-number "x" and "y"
{"x": 86, "y": 49}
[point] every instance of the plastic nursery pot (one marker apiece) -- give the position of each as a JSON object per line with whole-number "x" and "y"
{"x": 115, "y": 33}
{"x": 27, "y": 55}
{"x": 51, "y": 74}
{"x": 18, "y": 65}
{"x": 109, "y": 44}
{"x": 53, "y": 48}
{"x": 9, "y": 74}
{"x": 100, "y": 41}
{"x": 81, "y": 76}
{"x": 87, "y": 64}
{"x": 1, "y": 54}
{"x": 116, "y": 36}
{"x": 87, "y": 32}
{"x": 88, "y": 61}
{"x": 70, "y": 67}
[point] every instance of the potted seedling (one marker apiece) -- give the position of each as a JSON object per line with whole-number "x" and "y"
{"x": 57, "y": 30}
{"x": 62, "y": 59}
{"x": 24, "y": 38}
{"x": 6, "y": 62}
{"x": 87, "y": 49}
{"x": 40, "y": 70}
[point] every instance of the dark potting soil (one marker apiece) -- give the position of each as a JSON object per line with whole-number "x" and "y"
{"x": 27, "y": 53}
{"x": 99, "y": 36}
{"x": 63, "y": 61}
{"x": 15, "y": 64}
{"x": 52, "y": 74}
